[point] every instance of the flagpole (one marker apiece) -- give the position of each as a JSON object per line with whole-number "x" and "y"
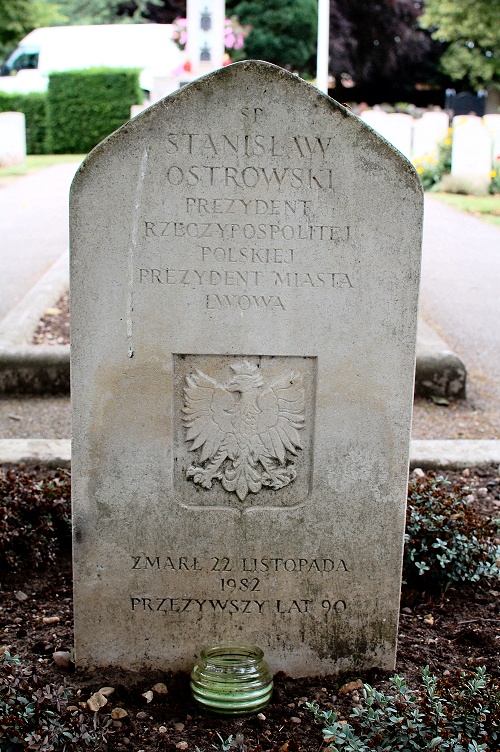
{"x": 323, "y": 45}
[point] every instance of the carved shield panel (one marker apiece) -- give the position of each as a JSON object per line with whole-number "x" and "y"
{"x": 243, "y": 428}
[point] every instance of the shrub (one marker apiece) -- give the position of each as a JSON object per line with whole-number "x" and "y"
{"x": 34, "y": 518}
{"x": 446, "y": 540}
{"x": 85, "y": 106}
{"x": 34, "y": 716}
{"x": 34, "y": 107}
{"x": 432, "y": 169}
{"x": 459, "y": 715}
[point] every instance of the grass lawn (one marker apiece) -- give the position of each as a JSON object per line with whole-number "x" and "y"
{"x": 485, "y": 207}
{"x": 36, "y": 162}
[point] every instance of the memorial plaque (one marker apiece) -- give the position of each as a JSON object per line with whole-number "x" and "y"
{"x": 245, "y": 263}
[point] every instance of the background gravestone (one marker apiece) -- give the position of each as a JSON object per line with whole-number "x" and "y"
{"x": 245, "y": 267}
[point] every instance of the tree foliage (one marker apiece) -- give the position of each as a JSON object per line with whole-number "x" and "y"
{"x": 18, "y": 17}
{"x": 377, "y": 40}
{"x": 283, "y": 31}
{"x": 154, "y": 11}
{"x": 472, "y": 30}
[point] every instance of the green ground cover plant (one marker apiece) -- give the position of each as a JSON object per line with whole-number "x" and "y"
{"x": 459, "y": 715}
{"x": 35, "y": 717}
{"x": 446, "y": 541}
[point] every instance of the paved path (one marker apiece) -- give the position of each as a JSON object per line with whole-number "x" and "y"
{"x": 460, "y": 291}
{"x": 33, "y": 229}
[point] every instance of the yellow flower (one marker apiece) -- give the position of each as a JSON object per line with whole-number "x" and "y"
{"x": 420, "y": 170}
{"x": 447, "y": 141}
{"x": 493, "y": 174}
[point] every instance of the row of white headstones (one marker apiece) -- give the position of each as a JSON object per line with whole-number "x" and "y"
{"x": 475, "y": 141}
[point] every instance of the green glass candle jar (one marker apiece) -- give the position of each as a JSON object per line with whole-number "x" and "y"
{"x": 231, "y": 680}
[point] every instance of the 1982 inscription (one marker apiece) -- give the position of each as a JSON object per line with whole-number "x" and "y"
{"x": 244, "y": 582}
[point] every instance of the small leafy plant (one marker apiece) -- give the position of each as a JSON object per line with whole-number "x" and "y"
{"x": 35, "y": 518}
{"x": 432, "y": 169}
{"x": 35, "y": 717}
{"x": 446, "y": 540}
{"x": 460, "y": 715}
{"x": 494, "y": 187}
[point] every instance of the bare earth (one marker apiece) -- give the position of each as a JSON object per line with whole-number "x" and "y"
{"x": 459, "y": 631}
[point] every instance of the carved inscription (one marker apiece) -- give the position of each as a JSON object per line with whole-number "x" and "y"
{"x": 236, "y": 606}
{"x": 241, "y": 232}
{"x": 245, "y": 431}
{"x": 240, "y": 592}
{"x": 262, "y": 222}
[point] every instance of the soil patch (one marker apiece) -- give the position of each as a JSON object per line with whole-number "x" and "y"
{"x": 460, "y": 631}
{"x": 54, "y": 326}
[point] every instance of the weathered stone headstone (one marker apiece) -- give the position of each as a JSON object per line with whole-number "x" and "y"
{"x": 428, "y": 132}
{"x": 471, "y": 155}
{"x": 395, "y": 127}
{"x": 245, "y": 268}
{"x": 12, "y": 139}
{"x": 492, "y": 123}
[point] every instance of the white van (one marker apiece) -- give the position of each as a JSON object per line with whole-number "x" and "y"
{"x": 149, "y": 47}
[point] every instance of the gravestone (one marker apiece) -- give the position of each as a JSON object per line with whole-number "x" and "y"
{"x": 399, "y": 132}
{"x": 12, "y": 139}
{"x": 395, "y": 127}
{"x": 492, "y": 123}
{"x": 471, "y": 154}
{"x": 244, "y": 270}
{"x": 428, "y": 132}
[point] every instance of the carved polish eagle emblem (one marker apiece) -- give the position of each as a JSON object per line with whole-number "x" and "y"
{"x": 246, "y": 432}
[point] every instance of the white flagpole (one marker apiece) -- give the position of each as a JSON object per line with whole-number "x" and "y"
{"x": 323, "y": 45}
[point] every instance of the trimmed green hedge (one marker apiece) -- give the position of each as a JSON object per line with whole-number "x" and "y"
{"x": 85, "y": 106}
{"x": 34, "y": 107}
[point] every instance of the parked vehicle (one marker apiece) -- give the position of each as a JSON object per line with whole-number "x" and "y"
{"x": 149, "y": 47}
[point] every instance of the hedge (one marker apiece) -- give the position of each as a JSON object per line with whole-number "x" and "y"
{"x": 34, "y": 107}
{"x": 85, "y": 106}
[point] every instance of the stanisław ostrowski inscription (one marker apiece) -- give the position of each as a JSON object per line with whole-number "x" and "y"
{"x": 245, "y": 266}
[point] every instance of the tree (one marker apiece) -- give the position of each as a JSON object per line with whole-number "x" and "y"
{"x": 371, "y": 41}
{"x": 154, "y": 11}
{"x": 283, "y": 31}
{"x": 18, "y": 17}
{"x": 89, "y": 11}
{"x": 472, "y": 30}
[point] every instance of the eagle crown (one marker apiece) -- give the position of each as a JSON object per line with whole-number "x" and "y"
{"x": 247, "y": 377}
